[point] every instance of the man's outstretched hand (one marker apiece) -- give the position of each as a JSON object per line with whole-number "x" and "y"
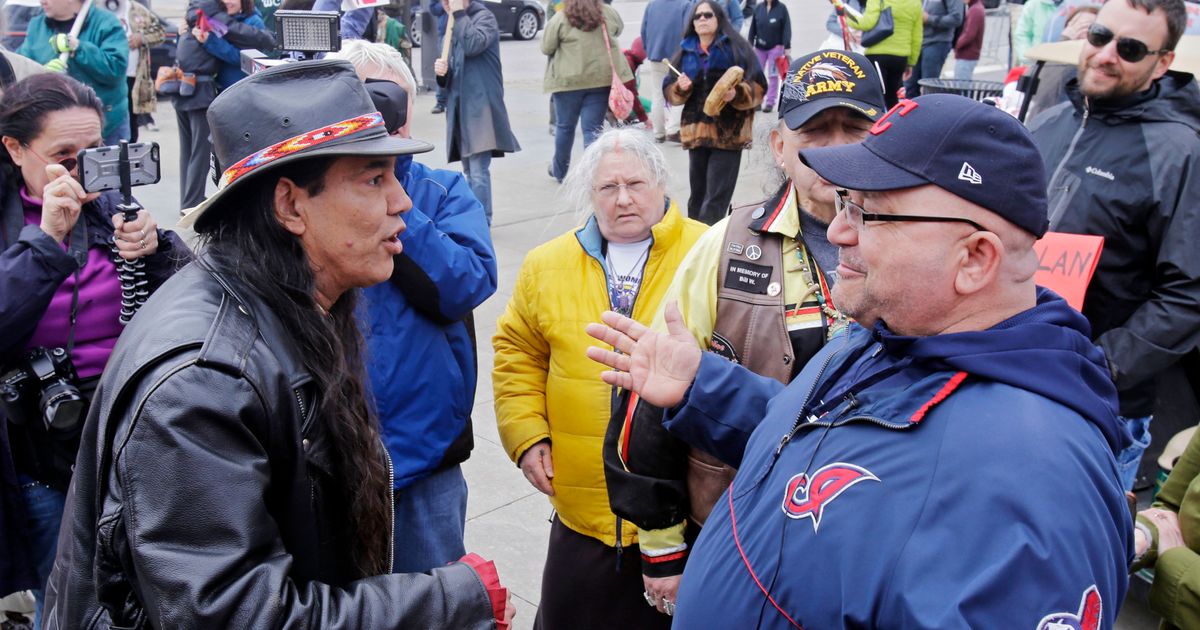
{"x": 659, "y": 367}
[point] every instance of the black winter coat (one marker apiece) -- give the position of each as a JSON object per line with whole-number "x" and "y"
{"x": 771, "y": 27}
{"x": 1129, "y": 170}
{"x": 204, "y": 495}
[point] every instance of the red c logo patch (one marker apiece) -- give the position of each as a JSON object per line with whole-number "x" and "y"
{"x": 808, "y": 498}
{"x": 1089, "y": 616}
{"x": 883, "y": 124}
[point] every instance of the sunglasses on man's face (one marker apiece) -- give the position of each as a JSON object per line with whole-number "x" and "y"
{"x": 704, "y": 15}
{"x": 1129, "y": 49}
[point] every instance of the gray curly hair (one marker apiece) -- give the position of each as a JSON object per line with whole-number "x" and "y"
{"x": 577, "y": 186}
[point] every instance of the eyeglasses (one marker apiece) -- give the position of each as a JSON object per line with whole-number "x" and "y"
{"x": 612, "y": 191}
{"x": 68, "y": 163}
{"x": 856, "y": 215}
{"x": 704, "y": 15}
{"x": 1129, "y": 49}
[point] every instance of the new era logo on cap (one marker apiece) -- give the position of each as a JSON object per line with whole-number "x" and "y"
{"x": 967, "y": 174}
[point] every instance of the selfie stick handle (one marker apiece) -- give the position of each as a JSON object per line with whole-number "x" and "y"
{"x": 126, "y": 183}
{"x": 134, "y": 285}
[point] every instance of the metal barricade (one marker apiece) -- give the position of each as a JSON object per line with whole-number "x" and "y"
{"x": 977, "y": 90}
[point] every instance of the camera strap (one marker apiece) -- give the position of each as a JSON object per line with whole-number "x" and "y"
{"x": 77, "y": 248}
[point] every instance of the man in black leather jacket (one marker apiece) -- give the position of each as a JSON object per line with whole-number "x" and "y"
{"x": 229, "y": 471}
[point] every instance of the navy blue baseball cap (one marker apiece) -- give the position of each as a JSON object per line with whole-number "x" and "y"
{"x": 964, "y": 147}
{"x": 830, "y": 78}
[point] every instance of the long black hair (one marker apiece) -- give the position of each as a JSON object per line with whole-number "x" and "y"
{"x": 26, "y": 103}
{"x": 251, "y": 245}
{"x": 743, "y": 55}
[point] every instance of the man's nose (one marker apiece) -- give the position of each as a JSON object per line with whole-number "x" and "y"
{"x": 1107, "y": 54}
{"x": 840, "y": 232}
{"x": 398, "y": 199}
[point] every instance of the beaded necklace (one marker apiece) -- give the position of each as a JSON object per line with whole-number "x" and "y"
{"x": 815, "y": 284}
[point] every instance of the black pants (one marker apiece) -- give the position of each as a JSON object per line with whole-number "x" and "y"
{"x": 195, "y": 147}
{"x": 713, "y": 174}
{"x": 891, "y": 70}
{"x": 584, "y": 589}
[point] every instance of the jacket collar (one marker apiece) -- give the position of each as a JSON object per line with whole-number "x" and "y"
{"x": 663, "y": 235}
{"x": 1174, "y": 97}
{"x": 691, "y": 43}
{"x": 781, "y": 214}
{"x": 899, "y": 395}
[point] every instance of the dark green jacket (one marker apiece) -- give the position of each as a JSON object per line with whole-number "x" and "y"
{"x": 99, "y": 62}
{"x": 1175, "y": 593}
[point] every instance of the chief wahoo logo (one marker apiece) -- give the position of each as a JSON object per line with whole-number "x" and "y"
{"x": 1088, "y": 617}
{"x": 808, "y": 497}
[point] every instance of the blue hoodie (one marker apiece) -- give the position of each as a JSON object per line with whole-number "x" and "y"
{"x": 420, "y": 352}
{"x": 965, "y": 480}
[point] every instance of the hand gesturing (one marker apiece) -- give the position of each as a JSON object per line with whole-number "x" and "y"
{"x": 659, "y": 367}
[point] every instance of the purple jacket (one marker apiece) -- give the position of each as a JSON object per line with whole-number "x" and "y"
{"x": 32, "y": 266}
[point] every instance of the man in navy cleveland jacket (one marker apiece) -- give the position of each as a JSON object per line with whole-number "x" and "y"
{"x": 949, "y": 462}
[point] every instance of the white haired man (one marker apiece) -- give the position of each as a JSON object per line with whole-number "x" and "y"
{"x": 420, "y": 334}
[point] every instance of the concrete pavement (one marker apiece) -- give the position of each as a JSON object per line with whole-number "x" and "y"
{"x": 508, "y": 521}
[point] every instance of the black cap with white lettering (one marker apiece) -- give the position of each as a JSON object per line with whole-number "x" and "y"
{"x": 830, "y": 78}
{"x": 965, "y": 147}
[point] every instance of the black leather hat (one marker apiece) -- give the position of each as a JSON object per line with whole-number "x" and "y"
{"x": 292, "y": 112}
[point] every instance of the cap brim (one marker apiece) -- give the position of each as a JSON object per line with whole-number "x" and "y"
{"x": 386, "y": 145}
{"x": 795, "y": 118}
{"x": 856, "y": 167}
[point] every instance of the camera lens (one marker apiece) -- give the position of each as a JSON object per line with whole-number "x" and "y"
{"x": 62, "y": 406}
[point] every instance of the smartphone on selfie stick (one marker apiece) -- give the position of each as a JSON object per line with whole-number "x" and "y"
{"x": 122, "y": 167}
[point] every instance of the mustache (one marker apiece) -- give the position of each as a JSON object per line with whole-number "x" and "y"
{"x": 850, "y": 260}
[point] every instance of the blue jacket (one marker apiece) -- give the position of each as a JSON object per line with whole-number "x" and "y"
{"x": 230, "y": 56}
{"x": 435, "y": 7}
{"x": 957, "y": 481}
{"x": 421, "y": 354}
{"x": 354, "y": 22}
{"x": 662, "y": 27}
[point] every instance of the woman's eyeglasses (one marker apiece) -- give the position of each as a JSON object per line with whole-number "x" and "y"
{"x": 68, "y": 163}
{"x": 612, "y": 191}
{"x": 704, "y": 15}
{"x": 1129, "y": 49}
{"x": 856, "y": 215}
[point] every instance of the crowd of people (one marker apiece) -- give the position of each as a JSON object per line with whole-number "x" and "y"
{"x": 848, "y": 404}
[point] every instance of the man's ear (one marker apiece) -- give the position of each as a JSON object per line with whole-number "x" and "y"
{"x": 775, "y": 139}
{"x": 1164, "y": 64}
{"x": 979, "y": 264}
{"x": 290, "y": 206}
{"x": 15, "y": 150}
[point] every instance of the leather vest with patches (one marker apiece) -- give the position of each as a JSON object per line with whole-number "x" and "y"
{"x": 751, "y": 329}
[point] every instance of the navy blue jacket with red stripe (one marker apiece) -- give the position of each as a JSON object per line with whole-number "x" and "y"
{"x": 965, "y": 480}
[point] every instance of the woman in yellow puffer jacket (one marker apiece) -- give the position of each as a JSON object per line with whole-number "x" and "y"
{"x": 551, "y": 406}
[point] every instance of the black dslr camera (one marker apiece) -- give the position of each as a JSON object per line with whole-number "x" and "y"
{"x": 47, "y": 377}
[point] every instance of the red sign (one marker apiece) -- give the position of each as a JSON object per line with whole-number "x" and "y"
{"x": 1066, "y": 263}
